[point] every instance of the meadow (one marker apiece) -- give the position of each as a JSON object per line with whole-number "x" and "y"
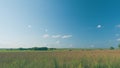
{"x": 60, "y": 59}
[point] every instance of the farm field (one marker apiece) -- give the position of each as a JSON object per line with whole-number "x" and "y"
{"x": 61, "y": 59}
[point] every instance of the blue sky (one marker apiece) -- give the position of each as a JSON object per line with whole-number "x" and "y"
{"x": 59, "y": 23}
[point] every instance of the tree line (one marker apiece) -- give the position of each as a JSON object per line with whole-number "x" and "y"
{"x": 37, "y": 48}
{"x": 112, "y": 48}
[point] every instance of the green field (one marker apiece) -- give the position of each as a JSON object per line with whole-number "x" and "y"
{"x": 60, "y": 59}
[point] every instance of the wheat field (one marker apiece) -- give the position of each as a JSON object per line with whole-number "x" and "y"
{"x": 61, "y": 59}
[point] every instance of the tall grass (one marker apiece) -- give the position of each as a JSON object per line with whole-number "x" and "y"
{"x": 61, "y": 59}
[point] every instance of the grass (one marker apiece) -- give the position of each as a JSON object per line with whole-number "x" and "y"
{"x": 60, "y": 59}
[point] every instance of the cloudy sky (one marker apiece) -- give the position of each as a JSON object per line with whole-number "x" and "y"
{"x": 59, "y": 23}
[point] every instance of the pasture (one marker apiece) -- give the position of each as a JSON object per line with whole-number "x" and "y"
{"x": 60, "y": 59}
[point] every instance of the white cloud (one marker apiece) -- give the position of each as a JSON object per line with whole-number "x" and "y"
{"x": 29, "y": 26}
{"x": 45, "y": 44}
{"x": 46, "y": 36}
{"x": 71, "y": 45}
{"x": 118, "y": 26}
{"x": 99, "y": 26}
{"x": 118, "y": 39}
{"x": 56, "y": 36}
{"x": 46, "y": 30}
{"x": 66, "y": 36}
{"x": 117, "y": 34}
{"x": 57, "y": 42}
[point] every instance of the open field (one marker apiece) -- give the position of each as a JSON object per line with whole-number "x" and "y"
{"x": 61, "y": 59}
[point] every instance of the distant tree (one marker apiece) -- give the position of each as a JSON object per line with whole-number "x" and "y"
{"x": 119, "y": 46}
{"x": 43, "y": 48}
{"x": 112, "y": 48}
{"x": 34, "y": 48}
{"x": 21, "y": 49}
{"x": 39, "y": 48}
{"x": 70, "y": 50}
{"x": 52, "y": 48}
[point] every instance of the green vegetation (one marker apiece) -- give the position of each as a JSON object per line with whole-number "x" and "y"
{"x": 28, "y": 49}
{"x": 112, "y": 48}
{"x": 61, "y": 59}
{"x": 34, "y": 48}
{"x": 119, "y": 46}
